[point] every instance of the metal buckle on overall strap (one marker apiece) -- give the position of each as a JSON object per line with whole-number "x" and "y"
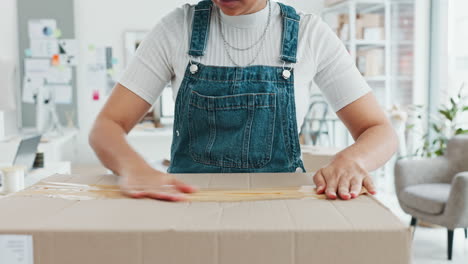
{"x": 287, "y": 72}
{"x": 193, "y": 66}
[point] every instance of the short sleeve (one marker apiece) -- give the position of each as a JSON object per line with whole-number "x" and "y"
{"x": 151, "y": 69}
{"x": 337, "y": 75}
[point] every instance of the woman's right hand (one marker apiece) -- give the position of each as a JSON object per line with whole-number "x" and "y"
{"x": 150, "y": 183}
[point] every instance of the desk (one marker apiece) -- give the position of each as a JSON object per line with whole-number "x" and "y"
{"x": 56, "y": 148}
{"x": 152, "y": 144}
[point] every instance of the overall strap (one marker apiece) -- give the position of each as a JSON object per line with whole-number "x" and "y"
{"x": 290, "y": 33}
{"x": 200, "y": 28}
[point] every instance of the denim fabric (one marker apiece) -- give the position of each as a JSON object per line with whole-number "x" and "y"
{"x": 290, "y": 33}
{"x": 200, "y": 28}
{"x": 236, "y": 119}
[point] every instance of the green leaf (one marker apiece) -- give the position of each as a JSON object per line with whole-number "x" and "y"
{"x": 436, "y": 128}
{"x": 453, "y": 102}
{"x": 447, "y": 114}
{"x": 461, "y": 131}
{"x": 439, "y": 152}
{"x": 465, "y": 108}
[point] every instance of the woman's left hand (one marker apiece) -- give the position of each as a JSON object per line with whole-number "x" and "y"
{"x": 343, "y": 178}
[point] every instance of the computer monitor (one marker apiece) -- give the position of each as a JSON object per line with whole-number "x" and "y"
{"x": 27, "y": 152}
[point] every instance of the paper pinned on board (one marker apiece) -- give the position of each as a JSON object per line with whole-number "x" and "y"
{"x": 44, "y": 48}
{"x": 36, "y": 66}
{"x": 59, "y": 75}
{"x": 68, "y": 50}
{"x": 31, "y": 85}
{"x": 68, "y": 47}
{"x": 63, "y": 94}
{"x": 42, "y": 28}
{"x": 66, "y": 60}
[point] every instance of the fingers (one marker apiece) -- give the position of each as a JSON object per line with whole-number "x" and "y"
{"x": 164, "y": 192}
{"x": 183, "y": 187}
{"x": 343, "y": 188}
{"x": 369, "y": 185}
{"x": 331, "y": 188}
{"x": 167, "y": 196}
{"x": 355, "y": 188}
{"x": 319, "y": 182}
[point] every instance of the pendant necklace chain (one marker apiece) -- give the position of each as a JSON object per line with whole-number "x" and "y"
{"x": 261, "y": 40}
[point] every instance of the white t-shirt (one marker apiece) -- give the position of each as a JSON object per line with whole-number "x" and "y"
{"x": 321, "y": 56}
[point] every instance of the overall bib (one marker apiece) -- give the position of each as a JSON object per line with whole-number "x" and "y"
{"x": 236, "y": 119}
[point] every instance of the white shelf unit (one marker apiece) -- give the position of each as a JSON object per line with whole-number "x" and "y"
{"x": 352, "y": 8}
{"x": 395, "y": 85}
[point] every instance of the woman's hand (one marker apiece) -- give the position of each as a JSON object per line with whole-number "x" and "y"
{"x": 154, "y": 184}
{"x": 343, "y": 177}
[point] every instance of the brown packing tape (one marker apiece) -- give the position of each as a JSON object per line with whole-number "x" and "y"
{"x": 72, "y": 191}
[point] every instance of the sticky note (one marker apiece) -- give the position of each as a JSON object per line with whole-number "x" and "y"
{"x": 57, "y": 33}
{"x": 56, "y": 60}
{"x": 27, "y": 53}
{"x": 96, "y": 95}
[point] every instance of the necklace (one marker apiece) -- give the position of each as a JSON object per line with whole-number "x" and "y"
{"x": 261, "y": 40}
{"x": 256, "y": 42}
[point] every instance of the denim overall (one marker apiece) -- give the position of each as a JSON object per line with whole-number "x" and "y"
{"x": 236, "y": 119}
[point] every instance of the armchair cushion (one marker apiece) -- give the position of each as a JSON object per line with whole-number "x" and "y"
{"x": 427, "y": 198}
{"x": 409, "y": 172}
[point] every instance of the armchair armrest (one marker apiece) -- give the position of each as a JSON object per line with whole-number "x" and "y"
{"x": 418, "y": 171}
{"x": 457, "y": 205}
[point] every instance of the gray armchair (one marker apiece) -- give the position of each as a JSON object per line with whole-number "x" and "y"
{"x": 436, "y": 190}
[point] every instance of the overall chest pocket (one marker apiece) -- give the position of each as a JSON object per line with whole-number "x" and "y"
{"x": 234, "y": 131}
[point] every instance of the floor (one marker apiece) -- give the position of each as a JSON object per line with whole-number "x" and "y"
{"x": 429, "y": 246}
{"x": 430, "y": 243}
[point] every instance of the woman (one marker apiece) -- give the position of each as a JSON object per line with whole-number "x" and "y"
{"x": 240, "y": 71}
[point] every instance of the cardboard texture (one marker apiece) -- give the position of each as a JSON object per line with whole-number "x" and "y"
{"x": 363, "y": 21}
{"x": 122, "y": 231}
{"x": 80, "y": 192}
{"x": 317, "y": 157}
{"x": 371, "y": 62}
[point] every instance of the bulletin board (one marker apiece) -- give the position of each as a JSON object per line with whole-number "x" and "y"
{"x": 63, "y": 12}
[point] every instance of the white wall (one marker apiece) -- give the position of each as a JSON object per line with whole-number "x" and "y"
{"x": 8, "y": 51}
{"x": 102, "y": 23}
{"x": 8, "y": 31}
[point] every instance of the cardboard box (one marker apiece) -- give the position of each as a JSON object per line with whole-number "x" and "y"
{"x": 371, "y": 62}
{"x": 374, "y": 33}
{"x": 123, "y": 231}
{"x": 316, "y": 157}
{"x": 363, "y": 21}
